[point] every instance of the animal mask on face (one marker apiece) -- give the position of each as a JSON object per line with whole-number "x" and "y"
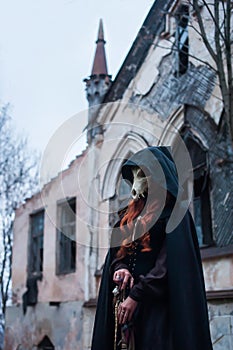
{"x": 140, "y": 184}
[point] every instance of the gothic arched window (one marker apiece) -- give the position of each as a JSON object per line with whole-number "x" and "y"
{"x": 120, "y": 199}
{"x": 201, "y": 191}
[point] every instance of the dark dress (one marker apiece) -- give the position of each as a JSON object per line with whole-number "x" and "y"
{"x": 150, "y": 290}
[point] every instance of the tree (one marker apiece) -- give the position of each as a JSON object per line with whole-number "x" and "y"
{"x": 212, "y": 22}
{"x": 220, "y": 50}
{"x": 18, "y": 180}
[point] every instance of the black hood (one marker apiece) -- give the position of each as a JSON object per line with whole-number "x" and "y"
{"x": 157, "y": 163}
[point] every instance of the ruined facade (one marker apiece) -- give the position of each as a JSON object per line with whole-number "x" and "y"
{"x": 159, "y": 96}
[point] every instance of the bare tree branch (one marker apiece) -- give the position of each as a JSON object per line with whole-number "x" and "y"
{"x": 18, "y": 180}
{"x": 175, "y": 48}
{"x": 202, "y": 30}
{"x": 221, "y": 54}
{"x": 215, "y": 21}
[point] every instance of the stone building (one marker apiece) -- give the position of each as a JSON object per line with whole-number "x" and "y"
{"x": 161, "y": 95}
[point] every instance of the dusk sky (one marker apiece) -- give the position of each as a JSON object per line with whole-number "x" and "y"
{"x": 47, "y": 49}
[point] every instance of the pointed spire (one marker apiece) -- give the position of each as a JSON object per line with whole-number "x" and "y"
{"x": 100, "y": 32}
{"x": 100, "y": 63}
{"x": 97, "y": 85}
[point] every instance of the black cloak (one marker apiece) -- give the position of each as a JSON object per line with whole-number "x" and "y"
{"x": 186, "y": 299}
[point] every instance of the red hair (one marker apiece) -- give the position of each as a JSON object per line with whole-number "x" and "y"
{"x": 133, "y": 211}
{"x": 127, "y": 224}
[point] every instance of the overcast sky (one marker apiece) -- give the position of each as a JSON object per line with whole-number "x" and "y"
{"x": 47, "y": 48}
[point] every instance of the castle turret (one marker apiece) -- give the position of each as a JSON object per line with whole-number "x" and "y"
{"x": 99, "y": 81}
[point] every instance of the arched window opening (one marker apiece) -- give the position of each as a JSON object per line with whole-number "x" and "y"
{"x": 181, "y": 45}
{"x": 121, "y": 198}
{"x": 201, "y": 192}
{"x": 123, "y": 190}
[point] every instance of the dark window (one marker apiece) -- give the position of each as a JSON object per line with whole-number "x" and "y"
{"x": 36, "y": 249}
{"x": 66, "y": 237}
{"x": 121, "y": 198}
{"x": 202, "y": 209}
{"x": 124, "y": 189}
{"x": 181, "y": 46}
{"x": 46, "y": 344}
{"x": 198, "y": 218}
{"x": 201, "y": 190}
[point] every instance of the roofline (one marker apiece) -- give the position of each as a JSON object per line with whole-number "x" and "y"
{"x": 53, "y": 179}
{"x": 138, "y": 51}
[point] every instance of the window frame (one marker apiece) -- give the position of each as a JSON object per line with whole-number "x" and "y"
{"x": 66, "y": 260}
{"x": 38, "y": 270}
{"x": 204, "y": 197}
{"x": 181, "y": 45}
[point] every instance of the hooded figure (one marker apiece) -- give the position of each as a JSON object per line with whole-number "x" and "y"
{"x": 165, "y": 277}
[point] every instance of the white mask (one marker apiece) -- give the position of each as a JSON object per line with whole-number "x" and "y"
{"x": 140, "y": 184}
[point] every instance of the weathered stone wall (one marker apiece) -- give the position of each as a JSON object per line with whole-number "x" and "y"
{"x": 221, "y": 175}
{"x": 161, "y": 95}
{"x": 221, "y": 324}
{"x": 168, "y": 92}
{"x": 63, "y": 324}
{"x": 52, "y": 287}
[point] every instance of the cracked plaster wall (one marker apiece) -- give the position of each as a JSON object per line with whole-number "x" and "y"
{"x": 221, "y": 324}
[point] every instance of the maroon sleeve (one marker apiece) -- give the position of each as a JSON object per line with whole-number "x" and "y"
{"x": 119, "y": 265}
{"x": 154, "y": 283}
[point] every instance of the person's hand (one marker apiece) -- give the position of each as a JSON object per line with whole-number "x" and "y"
{"x": 126, "y": 310}
{"x": 122, "y": 277}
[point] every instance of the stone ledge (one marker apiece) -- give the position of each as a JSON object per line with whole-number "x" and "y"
{"x": 213, "y": 252}
{"x": 219, "y": 294}
{"x": 90, "y": 303}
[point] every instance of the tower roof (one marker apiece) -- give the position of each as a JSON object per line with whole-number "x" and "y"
{"x": 100, "y": 63}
